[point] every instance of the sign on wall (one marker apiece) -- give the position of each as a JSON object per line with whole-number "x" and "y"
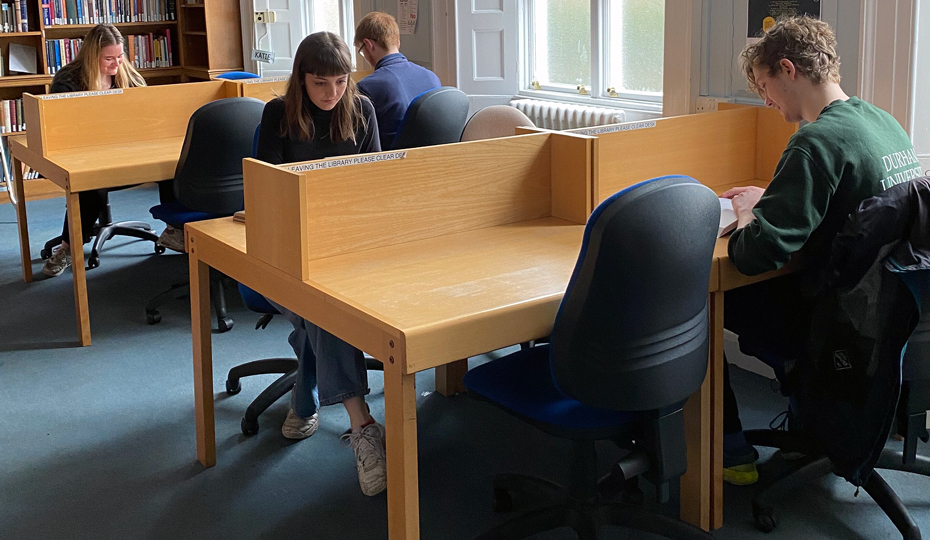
{"x": 764, "y": 13}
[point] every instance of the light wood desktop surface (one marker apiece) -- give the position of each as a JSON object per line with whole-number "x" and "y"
{"x": 86, "y": 142}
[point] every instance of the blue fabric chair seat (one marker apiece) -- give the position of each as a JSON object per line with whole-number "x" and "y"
{"x": 176, "y": 214}
{"x": 255, "y": 301}
{"x": 522, "y": 382}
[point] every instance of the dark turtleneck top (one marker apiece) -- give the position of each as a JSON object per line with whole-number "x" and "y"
{"x": 277, "y": 149}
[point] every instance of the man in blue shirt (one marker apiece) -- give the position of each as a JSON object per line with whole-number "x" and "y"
{"x": 396, "y": 80}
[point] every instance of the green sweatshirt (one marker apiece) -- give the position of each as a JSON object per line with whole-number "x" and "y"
{"x": 853, "y": 151}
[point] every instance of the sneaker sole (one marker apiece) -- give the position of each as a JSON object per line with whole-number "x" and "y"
{"x": 297, "y": 435}
{"x": 50, "y": 273}
{"x": 741, "y": 475}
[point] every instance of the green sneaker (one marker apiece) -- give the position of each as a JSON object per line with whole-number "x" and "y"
{"x": 739, "y": 466}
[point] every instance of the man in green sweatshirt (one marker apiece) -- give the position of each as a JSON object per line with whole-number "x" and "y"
{"x": 847, "y": 152}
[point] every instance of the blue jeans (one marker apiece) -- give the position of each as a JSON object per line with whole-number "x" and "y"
{"x": 330, "y": 370}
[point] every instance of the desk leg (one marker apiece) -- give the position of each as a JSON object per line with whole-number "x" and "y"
{"x": 203, "y": 358}
{"x": 77, "y": 267}
{"x": 400, "y": 411}
{"x": 702, "y": 485}
{"x": 19, "y": 197}
{"x": 449, "y": 377}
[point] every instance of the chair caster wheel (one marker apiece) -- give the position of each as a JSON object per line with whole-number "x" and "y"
{"x": 232, "y": 389}
{"x": 224, "y": 325}
{"x": 764, "y": 517}
{"x": 249, "y": 427}
{"x": 93, "y": 262}
{"x": 501, "y": 501}
{"x": 152, "y": 317}
{"x": 159, "y": 249}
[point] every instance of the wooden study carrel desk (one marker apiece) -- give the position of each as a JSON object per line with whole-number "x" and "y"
{"x": 420, "y": 258}
{"x": 735, "y": 147}
{"x": 91, "y": 140}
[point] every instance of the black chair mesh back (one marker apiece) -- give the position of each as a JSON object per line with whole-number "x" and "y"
{"x": 209, "y": 173}
{"x": 916, "y": 365}
{"x": 436, "y": 117}
{"x": 631, "y": 333}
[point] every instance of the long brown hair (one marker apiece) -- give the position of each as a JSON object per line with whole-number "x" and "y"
{"x": 322, "y": 54}
{"x": 88, "y": 65}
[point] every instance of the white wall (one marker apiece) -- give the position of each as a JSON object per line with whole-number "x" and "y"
{"x": 417, "y": 47}
{"x": 724, "y": 25}
{"x": 921, "y": 111}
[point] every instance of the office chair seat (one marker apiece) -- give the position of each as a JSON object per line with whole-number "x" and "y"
{"x": 237, "y": 75}
{"x": 522, "y": 383}
{"x": 176, "y": 214}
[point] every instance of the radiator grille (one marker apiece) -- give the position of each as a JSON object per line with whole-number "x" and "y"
{"x": 556, "y": 115}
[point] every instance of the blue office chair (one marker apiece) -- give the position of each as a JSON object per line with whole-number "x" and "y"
{"x": 437, "y": 116}
{"x": 208, "y": 182}
{"x": 628, "y": 346}
{"x": 237, "y": 75}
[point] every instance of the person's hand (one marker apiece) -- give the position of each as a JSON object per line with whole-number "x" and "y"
{"x": 744, "y": 200}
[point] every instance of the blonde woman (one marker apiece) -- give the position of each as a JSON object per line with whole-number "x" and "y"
{"x": 99, "y": 65}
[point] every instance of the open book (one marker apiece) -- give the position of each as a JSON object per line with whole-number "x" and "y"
{"x": 727, "y": 218}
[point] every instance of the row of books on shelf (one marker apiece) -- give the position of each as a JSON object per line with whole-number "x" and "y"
{"x": 58, "y": 12}
{"x": 11, "y": 116}
{"x": 143, "y": 50}
{"x": 14, "y": 17}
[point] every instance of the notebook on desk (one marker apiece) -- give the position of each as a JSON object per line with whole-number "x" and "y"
{"x": 727, "y": 218}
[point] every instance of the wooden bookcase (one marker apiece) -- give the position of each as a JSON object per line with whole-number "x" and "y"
{"x": 205, "y": 42}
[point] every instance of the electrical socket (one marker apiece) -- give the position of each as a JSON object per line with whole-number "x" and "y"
{"x": 705, "y": 104}
{"x": 264, "y": 16}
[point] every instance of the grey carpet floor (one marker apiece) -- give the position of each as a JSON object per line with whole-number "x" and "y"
{"x": 98, "y": 442}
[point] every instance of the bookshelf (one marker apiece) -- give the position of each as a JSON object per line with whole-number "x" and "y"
{"x": 204, "y": 41}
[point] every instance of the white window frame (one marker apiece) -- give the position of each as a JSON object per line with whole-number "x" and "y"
{"x": 597, "y": 93}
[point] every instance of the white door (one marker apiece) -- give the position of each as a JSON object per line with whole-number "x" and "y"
{"x": 281, "y": 37}
{"x": 487, "y": 47}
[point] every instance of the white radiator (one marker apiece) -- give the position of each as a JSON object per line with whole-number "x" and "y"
{"x": 556, "y": 115}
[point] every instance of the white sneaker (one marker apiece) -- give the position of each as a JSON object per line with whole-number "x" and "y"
{"x": 297, "y": 427}
{"x": 172, "y": 239}
{"x": 370, "y": 457}
{"x": 58, "y": 262}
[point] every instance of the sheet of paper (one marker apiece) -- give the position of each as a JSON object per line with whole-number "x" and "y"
{"x": 22, "y": 58}
{"x": 407, "y": 16}
{"x": 727, "y": 218}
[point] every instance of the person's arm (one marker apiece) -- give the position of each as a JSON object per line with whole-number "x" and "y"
{"x": 371, "y": 142}
{"x": 785, "y": 216}
{"x": 270, "y": 142}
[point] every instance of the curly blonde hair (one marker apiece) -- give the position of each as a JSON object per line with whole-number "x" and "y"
{"x": 808, "y": 43}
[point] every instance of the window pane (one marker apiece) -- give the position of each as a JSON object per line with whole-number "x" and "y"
{"x": 562, "y": 36}
{"x": 636, "y": 42}
{"x": 326, "y": 16}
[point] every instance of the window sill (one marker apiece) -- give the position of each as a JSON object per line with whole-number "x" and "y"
{"x": 649, "y": 107}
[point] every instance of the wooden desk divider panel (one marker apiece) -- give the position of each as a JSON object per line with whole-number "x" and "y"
{"x": 268, "y": 88}
{"x": 66, "y": 121}
{"x": 728, "y": 148}
{"x": 301, "y": 212}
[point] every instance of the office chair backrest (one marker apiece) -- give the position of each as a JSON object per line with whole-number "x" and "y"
{"x": 209, "y": 173}
{"x": 495, "y": 121}
{"x": 434, "y": 117}
{"x": 916, "y": 363}
{"x": 631, "y": 332}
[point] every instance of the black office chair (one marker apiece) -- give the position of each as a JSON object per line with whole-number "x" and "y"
{"x": 103, "y": 230}
{"x": 911, "y": 417}
{"x": 628, "y": 346}
{"x": 437, "y": 116}
{"x": 208, "y": 182}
